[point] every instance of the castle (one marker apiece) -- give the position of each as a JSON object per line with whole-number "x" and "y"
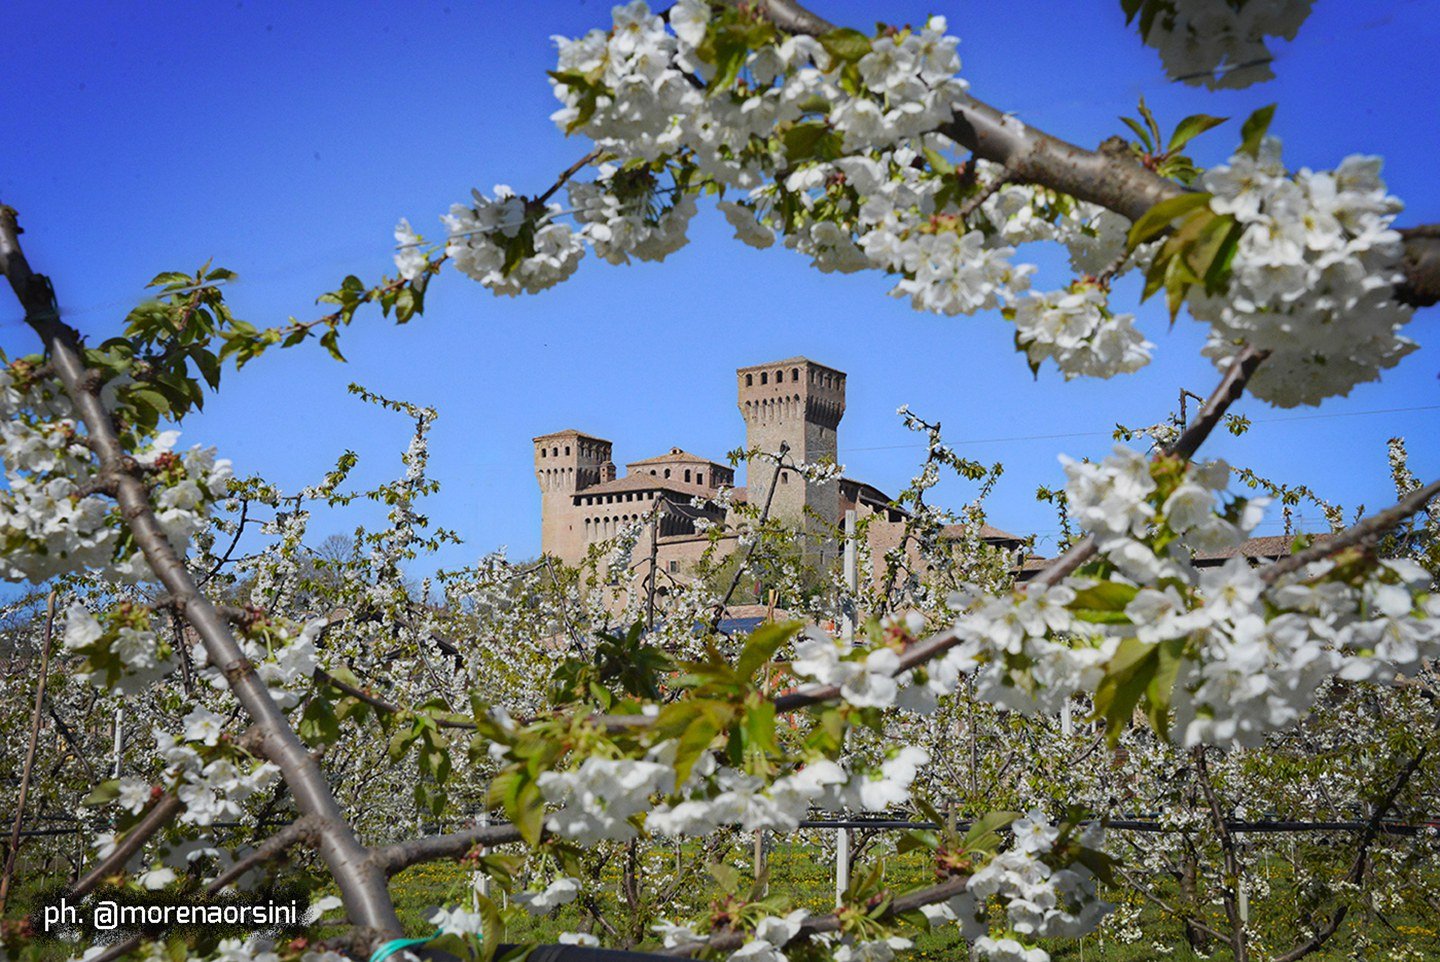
{"x": 795, "y": 405}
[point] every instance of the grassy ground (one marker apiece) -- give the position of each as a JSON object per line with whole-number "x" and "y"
{"x": 803, "y": 874}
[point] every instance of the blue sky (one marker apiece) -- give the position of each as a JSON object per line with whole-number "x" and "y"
{"x": 284, "y": 139}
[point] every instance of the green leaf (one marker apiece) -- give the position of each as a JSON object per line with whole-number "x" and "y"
{"x": 938, "y": 161}
{"x": 761, "y": 646}
{"x": 812, "y": 140}
{"x": 171, "y": 278}
{"x": 1101, "y": 865}
{"x": 330, "y": 340}
{"x": 1140, "y": 132}
{"x": 984, "y": 834}
{"x": 1105, "y": 596}
{"x": 1150, "y": 123}
{"x": 758, "y": 729}
{"x": 1160, "y": 216}
{"x": 1169, "y": 655}
{"x": 318, "y": 725}
{"x": 845, "y": 44}
{"x": 492, "y": 927}
{"x": 1254, "y": 130}
{"x": 917, "y": 840}
{"x": 1127, "y": 675}
{"x": 103, "y": 794}
{"x": 1190, "y": 128}
{"x": 727, "y": 876}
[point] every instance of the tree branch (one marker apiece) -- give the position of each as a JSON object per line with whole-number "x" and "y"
{"x": 29, "y": 765}
{"x": 363, "y": 889}
{"x": 154, "y": 820}
{"x": 1357, "y": 867}
{"x": 401, "y": 855}
{"x": 1369, "y": 529}
{"x": 1112, "y": 180}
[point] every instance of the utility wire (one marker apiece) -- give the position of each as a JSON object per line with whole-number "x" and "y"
{"x": 1091, "y": 434}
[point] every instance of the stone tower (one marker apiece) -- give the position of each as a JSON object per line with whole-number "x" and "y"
{"x": 567, "y": 462}
{"x": 799, "y": 403}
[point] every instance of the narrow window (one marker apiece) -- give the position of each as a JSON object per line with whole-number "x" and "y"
{"x": 700, "y": 477}
{"x": 784, "y": 478}
{"x": 687, "y": 475}
{"x": 674, "y": 566}
{"x": 749, "y": 380}
{"x": 764, "y": 378}
{"x": 667, "y": 472}
{"x": 567, "y": 450}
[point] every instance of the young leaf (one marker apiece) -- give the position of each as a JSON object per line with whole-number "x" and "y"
{"x": 1159, "y": 217}
{"x": 1254, "y": 130}
{"x": 1190, "y": 128}
{"x": 761, "y": 646}
{"x": 845, "y": 44}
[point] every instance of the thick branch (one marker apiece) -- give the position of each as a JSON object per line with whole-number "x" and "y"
{"x": 1112, "y": 180}
{"x": 157, "y": 818}
{"x": 1369, "y": 529}
{"x": 367, "y": 900}
{"x": 393, "y": 858}
{"x": 730, "y": 940}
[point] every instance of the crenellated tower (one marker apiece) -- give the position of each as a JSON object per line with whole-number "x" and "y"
{"x": 799, "y": 403}
{"x": 567, "y": 462}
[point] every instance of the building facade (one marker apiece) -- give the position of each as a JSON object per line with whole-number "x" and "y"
{"x": 794, "y": 405}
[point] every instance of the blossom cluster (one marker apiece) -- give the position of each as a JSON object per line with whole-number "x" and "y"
{"x": 120, "y": 650}
{"x": 507, "y": 247}
{"x": 1221, "y": 43}
{"x": 284, "y": 660}
{"x": 212, "y": 780}
{"x": 52, "y": 521}
{"x": 1043, "y": 892}
{"x": 1076, "y": 329}
{"x": 1313, "y": 278}
{"x": 1248, "y": 651}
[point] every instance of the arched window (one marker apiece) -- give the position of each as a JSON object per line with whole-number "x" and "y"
{"x": 667, "y": 472}
{"x": 764, "y": 378}
{"x": 749, "y": 380}
{"x": 555, "y": 452}
{"x": 687, "y": 475}
{"x": 794, "y": 374}
{"x": 784, "y": 478}
{"x": 779, "y": 376}
{"x": 567, "y": 450}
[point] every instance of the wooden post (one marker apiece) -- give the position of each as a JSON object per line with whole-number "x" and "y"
{"x": 852, "y": 579}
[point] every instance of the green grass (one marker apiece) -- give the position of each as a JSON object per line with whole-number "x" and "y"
{"x": 802, "y": 875}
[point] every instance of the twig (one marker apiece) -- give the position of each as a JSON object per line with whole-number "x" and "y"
{"x": 158, "y": 817}
{"x": 1371, "y": 527}
{"x": 1182, "y": 916}
{"x": 1238, "y": 945}
{"x": 1231, "y": 386}
{"x": 750, "y": 554}
{"x": 1357, "y": 867}
{"x": 29, "y": 766}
